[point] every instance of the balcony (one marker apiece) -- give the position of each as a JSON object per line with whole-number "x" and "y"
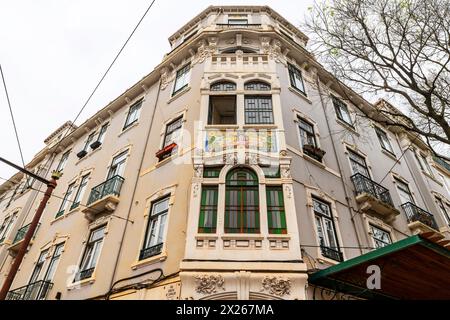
{"x": 419, "y": 220}
{"x": 104, "y": 197}
{"x": 150, "y": 251}
{"x": 374, "y": 198}
{"x": 240, "y": 62}
{"x": 84, "y": 274}
{"x": 20, "y": 235}
{"x": 33, "y": 291}
{"x": 332, "y": 253}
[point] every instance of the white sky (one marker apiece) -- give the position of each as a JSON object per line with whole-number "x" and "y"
{"x": 53, "y": 53}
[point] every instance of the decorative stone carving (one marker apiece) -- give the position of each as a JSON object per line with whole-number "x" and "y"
{"x": 283, "y": 153}
{"x": 208, "y": 284}
{"x": 276, "y": 285}
{"x": 288, "y": 191}
{"x": 196, "y": 189}
{"x": 110, "y": 206}
{"x": 231, "y": 158}
{"x": 285, "y": 172}
{"x": 164, "y": 77}
{"x": 251, "y": 158}
{"x": 265, "y": 44}
{"x": 198, "y": 171}
{"x": 246, "y": 41}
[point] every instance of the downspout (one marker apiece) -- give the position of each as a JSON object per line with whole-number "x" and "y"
{"x": 339, "y": 168}
{"x": 135, "y": 186}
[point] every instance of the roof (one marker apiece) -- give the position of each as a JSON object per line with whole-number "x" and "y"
{"x": 211, "y": 9}
{"x": 417, "y": 267}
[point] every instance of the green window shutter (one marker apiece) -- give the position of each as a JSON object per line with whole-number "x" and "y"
{"x": 276, "y": 217}
{"x": 208, "y": 207}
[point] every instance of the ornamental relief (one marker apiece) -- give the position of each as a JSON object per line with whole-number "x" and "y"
{"x": 208, "y": 284}
{"x": 277, "y": 286}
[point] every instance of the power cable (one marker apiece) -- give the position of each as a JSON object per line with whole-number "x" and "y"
{"x": 12, "y": 116}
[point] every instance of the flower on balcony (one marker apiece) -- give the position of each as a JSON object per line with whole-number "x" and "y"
{"x": 166, "y": 151}
{"x": 314, "y": 152}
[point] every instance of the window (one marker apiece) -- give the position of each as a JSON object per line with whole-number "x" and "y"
{"x": 222, "y": 110}
{"x": 211, "y": 172}
{"x": 404, "y": 192}
{"x": 242, "y": 202}
{"x": 11, "y": 198}
{"x": 237, "y": 21}
{"x": 423, "y": 163}
{"x": 296, "y": 78}
{"x": 35, "y": 275}
{"x": 307, "y": 135}
{"x": 133, "y": 114}
{"x": 54, "y": 262}
{"x": 258, "y": 110}
{"x": 89, "y": 141}
{"x": 223, "y": 86}
{"x": 444, "y": 182}
{"x": 6, "y": 226}
{"x": 208, "y": 210}
{"x": 118, "y": 165}
{"x": 173, "y": 130}
{"x": 271, "y": 171}
{"x": 342, "y": 111}
{"x": 182, "y": 79}
{"x": 91, "y": 254}
{"x": 384, "y": 140}
{"x": 444, "y": 210}
{"x": 358, "y": 163}
{"x": 101, "y": 134}
{"x": 380, "y": 237}
{"x": 325, "y": 230}
{"x": 154, "y": 235}
{"x": 276, "y": 216}
{"x": 66, "y": 200}
{"x": 257, "y": 86}
{"x": 80, "y": 192}
{"x": 63, "y": 161}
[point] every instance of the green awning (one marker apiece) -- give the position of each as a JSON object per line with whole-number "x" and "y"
{"x": 413, "y": 268}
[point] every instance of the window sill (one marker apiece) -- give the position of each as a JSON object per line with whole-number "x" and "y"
{"x": 273, "y": 236}
{"x": 206, "y": 236}
{"x": 242, "y": 236}
{"x": 131, "y": 126}
{"x": 89, "y": 154}
{"x": 390, "y": 155}
{"x": 166, "y": 160}
{"x": 155, "y": 259}
{"x": 178, "y": 94}
{"x": 61, "y": 217}
{"x": 314, "y": 161}
{"x": 349, "y": 127}
{"x": 81, "y": 283}
{"x": 431, "y": 177}
{"x": 300, "y": 94}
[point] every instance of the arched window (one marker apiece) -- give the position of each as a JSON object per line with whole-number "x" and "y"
{"x": 257, "y": 85}
{"x": 242, "y": 202}
{"x": 223, "y": 86}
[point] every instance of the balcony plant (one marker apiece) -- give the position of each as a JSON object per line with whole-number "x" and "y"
{"x": 314, "y": 152}
{"x": 166, "y": 151}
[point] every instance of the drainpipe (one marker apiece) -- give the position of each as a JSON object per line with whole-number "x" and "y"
{"x": 339, "y": 167}
{"x": 135, "y": 186}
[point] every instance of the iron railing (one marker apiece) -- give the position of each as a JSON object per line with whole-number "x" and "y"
{"x": 150, "y": 251}
{"x": 34, "y": 291}
{"x": 111, "y": 186}
{"x": 84, "y": 274}
{"x": 331, "y": 253}
{"x": 364, "y": 184}
{"x": 20, "y": 235}
{"x": 415, "y": 213}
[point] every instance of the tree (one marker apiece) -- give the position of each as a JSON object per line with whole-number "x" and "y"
{"x": 397, "y": 47}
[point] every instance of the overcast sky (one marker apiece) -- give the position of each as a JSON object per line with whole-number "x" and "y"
{"x": 53, "y": 53}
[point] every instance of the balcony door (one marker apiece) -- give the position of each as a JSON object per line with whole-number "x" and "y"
{"x": 118, "y": 165}
{"x": 404, "y": 192}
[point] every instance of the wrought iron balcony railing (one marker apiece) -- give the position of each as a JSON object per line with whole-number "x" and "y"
{"x": 33, "y": 291}
{"x": 331, "y": 253}
{"x": 84, "y": 274}
{"x": 20, "y": 235}
{"x": 150, "y": 251}
{"x": 111, "y": 186}
{"x": 415, "y": 213}
{"x": 364, "y": 184}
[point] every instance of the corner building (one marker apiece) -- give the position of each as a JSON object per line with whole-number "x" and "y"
{"x": 234, "y": 170}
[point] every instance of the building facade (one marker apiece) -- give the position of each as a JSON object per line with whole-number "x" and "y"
{"x": 233, "y": 170}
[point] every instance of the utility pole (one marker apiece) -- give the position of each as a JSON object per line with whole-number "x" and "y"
{"x": 51, "y": 185}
